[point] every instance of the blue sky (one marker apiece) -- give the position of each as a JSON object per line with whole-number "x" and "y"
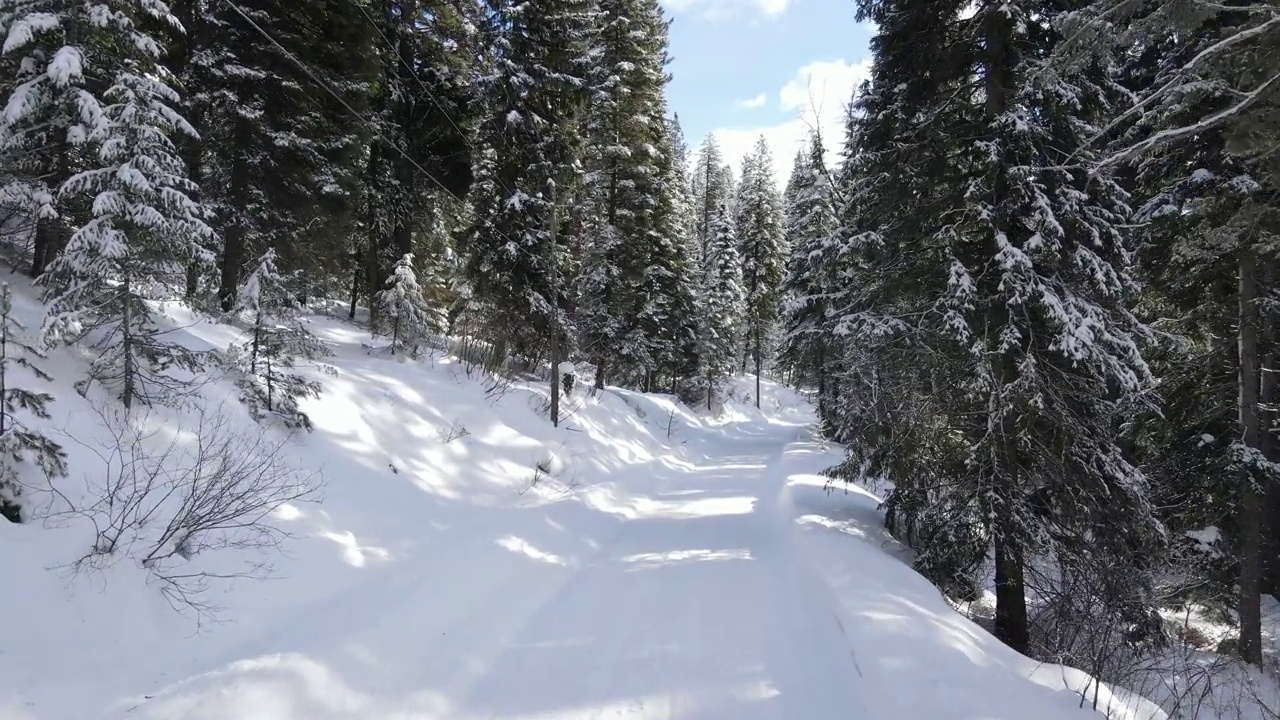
{"x": 743, "y": 68}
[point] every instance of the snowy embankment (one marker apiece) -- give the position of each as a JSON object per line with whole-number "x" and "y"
{"x": 468, "y": 560}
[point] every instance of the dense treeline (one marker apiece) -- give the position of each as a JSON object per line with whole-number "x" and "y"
{"x": 1038, "y": 293}
{"x": 508, "y": 172}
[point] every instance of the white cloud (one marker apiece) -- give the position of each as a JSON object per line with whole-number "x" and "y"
{"x": 724, "y": 9}
{"x": 755, "y": 102}
{"x": 817, "y": 95}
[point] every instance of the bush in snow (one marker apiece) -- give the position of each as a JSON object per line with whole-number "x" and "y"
{"x": 407, "y": 316}
{"x": 18, "y": 442}
{"x": 166, "y": 493}
{"x": 264, "y": 362}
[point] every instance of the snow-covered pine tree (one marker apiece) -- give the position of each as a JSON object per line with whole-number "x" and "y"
{"x": 145, "y": 228}
{"x": 19, "y": 442}
{"x": 1007, "y": 271}
{"x": 279, "y": 158}
{"x": 407, "y": 316}
{"x": 673, "y": 270}
{"x": 423, "y": 109}
{"x": 528, "y": 171}
{"x": 724, "y": 304}
{"x": 809, "y": 222}
{"x": 710, "y": 187}
{"x": 681, "y": 166}
{"x": 626, "y": 80}
{"x": 759, "y": 228}
{"x": 266, "y": 362}
{"x": 1201, "y": 163}
{"x": 627, "y": 148}
{"x": 48, "y": 113}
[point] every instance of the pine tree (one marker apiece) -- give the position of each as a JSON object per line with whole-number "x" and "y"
{"x": 989, "y": 268}
{"x": 264, "y": 363}
{"x": 48, "y": 112}
{"x": 673, "y": 321}
{"x": 19, "y": 442}
{"x": 144, "y": 232}
{"x": 407, "y": 315}
{"x": 759, "y": 228}
{"x": 1199, "y": 165}
{"x": 530, "y": 166}
{"x": 280, "y": 158}
{"x": 628, "y": 146}
{"x": 724, "y": 303}
{"x": 423, "y": 110}
{"x": 810, "y": 222}
{"x": 710, "y": 187}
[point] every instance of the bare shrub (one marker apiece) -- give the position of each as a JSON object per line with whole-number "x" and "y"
{"x": 165, "y": 495}
{"x": 455, "y": 431}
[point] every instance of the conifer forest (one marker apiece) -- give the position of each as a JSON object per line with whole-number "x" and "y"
{"x": 1032, "y": 290}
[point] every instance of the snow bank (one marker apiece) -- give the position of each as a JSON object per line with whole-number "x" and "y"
{"x": 924, "y": 658}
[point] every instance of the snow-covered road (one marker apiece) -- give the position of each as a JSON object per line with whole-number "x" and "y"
{"x": 699, "y": 611}
{"x": 686, "y": 599}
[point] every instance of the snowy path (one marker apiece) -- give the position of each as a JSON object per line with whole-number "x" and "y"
{"x": 691, "y": 605}
{"x": 708, "y": 615}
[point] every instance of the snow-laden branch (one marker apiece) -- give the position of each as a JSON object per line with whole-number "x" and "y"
{"x": 1171, "y": 134}
{"x": 1178, "y": 80}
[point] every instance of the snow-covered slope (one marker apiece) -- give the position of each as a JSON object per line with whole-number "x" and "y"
{"x": 639, "y": 561}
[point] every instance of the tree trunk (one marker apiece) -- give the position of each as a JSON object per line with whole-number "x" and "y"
{"x": 1250, "y": 507}
{"x": 126, "y": 346}
{"x": 233, "y": 252}
{"x": 759, "y": 364}
{"x": 1011, "y": 597}
{"x": 555, "y": 314}
{"x": 355, "y": 285}
{"x": 822, "y": 381}
{"x": 601, "y": 372}
{"x": 1270, "y": 446}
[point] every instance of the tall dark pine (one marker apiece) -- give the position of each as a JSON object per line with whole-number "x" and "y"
{"x": 279, "y": 154}
{"x": 1199, "y": 147}
{"x": 809, "y": 222}
{"x": 530, "y": 160}
{"x": 759, "y": 227}
{"x": 1002, "y": 274}
{"x": 423, "y": 110}
{"x": 629, "y": 226}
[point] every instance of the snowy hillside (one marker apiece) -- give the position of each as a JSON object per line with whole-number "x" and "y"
{"x": 465, "y": 559}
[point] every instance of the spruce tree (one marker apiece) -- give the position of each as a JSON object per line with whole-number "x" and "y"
{"x": 280, "y": 156}
{"x": 809, "y": 222}
{"x": 264, "y": 364}
{"x": 50, "y": 54}
{"x": 144, "y": 232}
{"x": 423, "y": 113}
{"x": 1198, "y": 160}
{"x": 992, "y": 269}
{"x": 628, "y": 222}
{"x": 710, "y": 187}
{"x": 20, "y": 443}
{"x": 724, "y": 304}
{"x": 407, "y": 316}
{"x": 528, "y": 171}
{"x": 673, "y": 321}
{"x": 759, "y": 229}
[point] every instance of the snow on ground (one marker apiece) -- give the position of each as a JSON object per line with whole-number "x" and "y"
{"x": 640, "y": 561}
